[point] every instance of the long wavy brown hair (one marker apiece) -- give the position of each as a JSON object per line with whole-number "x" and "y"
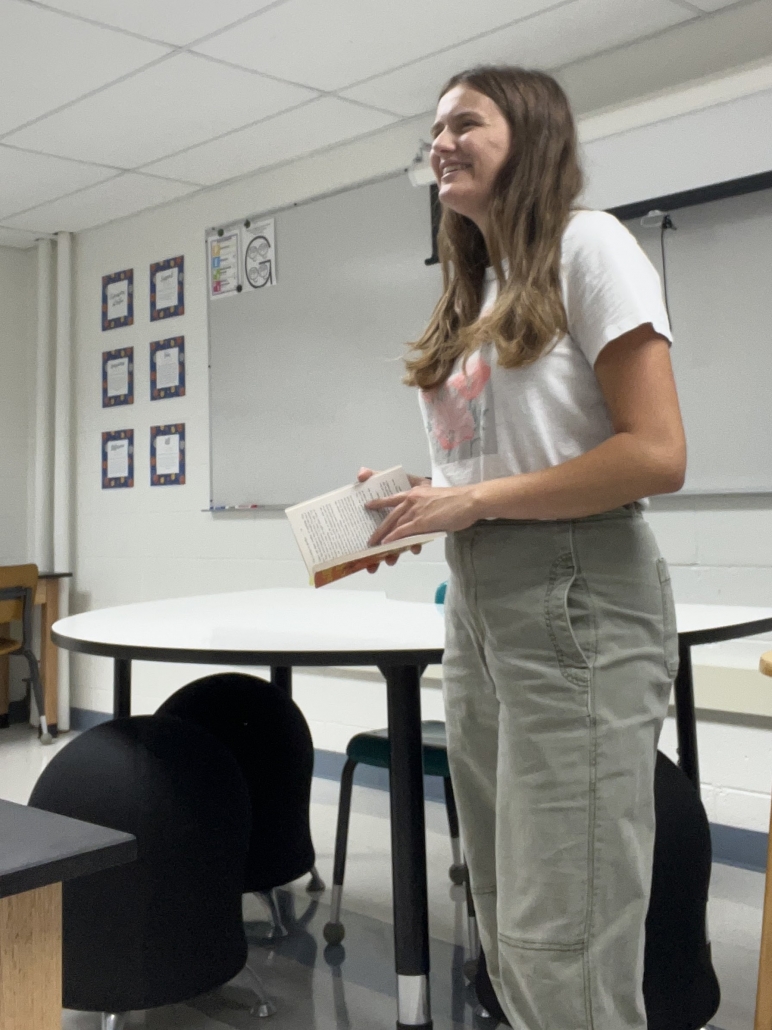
{"x": 532, "y": 199}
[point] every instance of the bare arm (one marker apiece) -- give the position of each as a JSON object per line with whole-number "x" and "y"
{"x": 646, "y": 455}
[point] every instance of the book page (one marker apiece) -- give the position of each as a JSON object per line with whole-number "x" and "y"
{"x": 337, "y": 524}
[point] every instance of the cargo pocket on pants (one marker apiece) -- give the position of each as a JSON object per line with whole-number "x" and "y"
{"x": 570, "y": 621}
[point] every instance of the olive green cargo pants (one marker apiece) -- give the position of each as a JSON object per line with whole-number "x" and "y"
{"x": 560, "y": 655}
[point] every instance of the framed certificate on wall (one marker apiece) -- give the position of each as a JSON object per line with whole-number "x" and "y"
{"x": 167, "y": 455}
{"x": 117, "y": 377}
{"x": 167, "y": 288}
{"x": 118, "y": 459}
{"x": 167, "y": 368}
{"x": 118, "y": 299}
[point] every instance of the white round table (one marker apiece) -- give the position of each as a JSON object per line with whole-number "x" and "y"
{"x": 286, "y": 628}
{"x": 302, "y": 627}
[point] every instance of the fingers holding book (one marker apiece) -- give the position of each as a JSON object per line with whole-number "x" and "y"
{"x": 423, "y": 509}
{"x": 392, "y": 557}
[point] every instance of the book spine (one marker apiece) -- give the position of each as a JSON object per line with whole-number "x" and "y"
{"x": 348, "y": 568}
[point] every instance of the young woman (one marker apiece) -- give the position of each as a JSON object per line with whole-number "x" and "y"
{"x": 549, "y": 402}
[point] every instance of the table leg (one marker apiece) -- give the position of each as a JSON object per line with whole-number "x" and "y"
{"x": 121, "y": 687}
{"x": 408, "y": 847}
{"x": 31, "y": 960}
{"x": 49, "y": 654}
{"x": 5, "y": 681}
{"x": 281, "y": 676}
{"x": 686, "y": 719}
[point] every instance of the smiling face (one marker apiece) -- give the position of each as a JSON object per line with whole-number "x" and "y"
{"x": 472, "y": 140}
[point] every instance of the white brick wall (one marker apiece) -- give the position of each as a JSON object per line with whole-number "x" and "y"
{"x": 735, "y": 771}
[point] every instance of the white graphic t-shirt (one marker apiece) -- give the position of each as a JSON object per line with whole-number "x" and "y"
{"x": 486, "y": 421}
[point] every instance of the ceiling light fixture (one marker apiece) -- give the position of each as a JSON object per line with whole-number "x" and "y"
{"x": 420, "y": 172}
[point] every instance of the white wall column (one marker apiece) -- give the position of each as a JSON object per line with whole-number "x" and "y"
{"x": 42, "y": 492}
{"x": 63, "y": 453}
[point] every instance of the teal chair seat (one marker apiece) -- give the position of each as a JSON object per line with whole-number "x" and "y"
{"x": 372, "y": 748}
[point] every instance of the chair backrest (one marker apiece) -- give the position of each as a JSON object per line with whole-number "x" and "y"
{"x": 23, "y": 576}
{"x": 269, "y": 736}
{"x": 169, "y": 926}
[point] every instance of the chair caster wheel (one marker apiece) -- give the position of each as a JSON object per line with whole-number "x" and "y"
{"x": 470, "y": 969}
{"x": 316, "y": 884}
{"x": 276, "y": 933}
{"x": 263, "y": 1010}
{"x": 457, "y": 874}
{"x": 334, "y": 932}
{"x": 484, "y": 1018}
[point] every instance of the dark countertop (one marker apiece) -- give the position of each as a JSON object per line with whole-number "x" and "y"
{"x": 38, "y": 848}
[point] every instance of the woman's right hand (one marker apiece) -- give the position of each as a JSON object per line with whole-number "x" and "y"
{"x": 391, "y": 559}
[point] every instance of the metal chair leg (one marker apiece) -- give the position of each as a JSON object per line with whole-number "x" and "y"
{"x": 316, "y": 884}
{"x": 334, "y": 931}
{"x": 278, "y": 928}
{"x": 264, "y": 1007}
{"x": 457, "y": 871}
{"x": 36, "y": 687}
{"x": 113, "y": 1020}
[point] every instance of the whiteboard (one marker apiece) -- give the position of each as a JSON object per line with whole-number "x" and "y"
{"x": 719, "y": 270}
{"x": 305, "y": 376}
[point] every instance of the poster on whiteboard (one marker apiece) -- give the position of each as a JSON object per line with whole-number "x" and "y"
{"x": 258, "y": 245}
{"x": 224, "y": 264}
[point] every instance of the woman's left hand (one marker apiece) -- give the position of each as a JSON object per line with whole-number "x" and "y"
{"x": 424, "y": 509}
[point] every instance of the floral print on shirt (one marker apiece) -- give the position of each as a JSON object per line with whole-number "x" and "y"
{"x": 459, "y": 413}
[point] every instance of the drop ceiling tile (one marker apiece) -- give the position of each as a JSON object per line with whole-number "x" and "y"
{"x": 549, "y": 40}
{"x": 321, "y": 123}
{"x": 338, "y": 42}
{"x": 29, "y": 179}
{"x": 712, "y": 5}
{"x": 16, "y": 238}
{"x": 175, "y": 104}
{"x": 49, "y": 60}
{"x": 123, "y": 195}
{"x": 174, "y": 21}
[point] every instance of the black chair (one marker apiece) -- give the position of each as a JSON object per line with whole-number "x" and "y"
{"x": 269, "y": 737}
{"x": 680, "y": 986}
{"x": 169, "y": 926}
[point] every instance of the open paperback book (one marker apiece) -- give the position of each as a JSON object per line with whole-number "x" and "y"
{"x": 332, "y": 530}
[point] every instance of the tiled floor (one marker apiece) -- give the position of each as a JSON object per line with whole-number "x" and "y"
{"x": 353, "y": 986}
